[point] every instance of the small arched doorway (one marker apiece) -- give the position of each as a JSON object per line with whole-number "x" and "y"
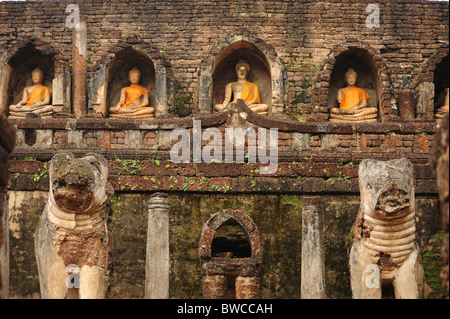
{"x": 431, "y": 84}
{"x": 230, "y": 251}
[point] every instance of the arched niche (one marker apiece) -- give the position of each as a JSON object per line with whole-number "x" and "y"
{"x": 266, "y": 69}
{"x": 366, "y": 79}
{"x": 117, "y": 75}
{"x": 230, "y": 240}
{"x": 441, "y": 82}
{"x": 235, "y": 218}
{"x": 373, "y": 76}
{"x": 111, "y": 75}
{"x": 16, "y": 66}
{"x": 233, "y": 263}
{"x": 430, "y": 84}
{"x": 224, "y": 70}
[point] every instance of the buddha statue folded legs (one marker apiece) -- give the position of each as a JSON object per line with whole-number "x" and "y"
{"x": 133, "y": 103}
{"x": 368, "y": 114}
{"x": 242, "y": 89}
{"x": 353, "y": 103}
{"x": 35, "y": 99}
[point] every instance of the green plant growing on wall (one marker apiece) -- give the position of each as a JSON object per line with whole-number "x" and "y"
{"x": 432, "y": 264}
{"x": 302, "y": 91}
{"x": 89, "y": 62}
{"x": 130, "y": 166}
{"x": 157, "y": 161}
{"x": 221, "y": 188}
{"x": 39, "y": 175}
{"x": 417, "y": 68}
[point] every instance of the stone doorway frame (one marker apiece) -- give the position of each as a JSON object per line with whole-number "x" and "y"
{"x": 223, "y": 274}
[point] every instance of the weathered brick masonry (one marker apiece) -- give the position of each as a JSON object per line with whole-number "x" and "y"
{"x": 304, "y": 45}
{"x": 312, "y": 158}
{"x": 305, "y": 35}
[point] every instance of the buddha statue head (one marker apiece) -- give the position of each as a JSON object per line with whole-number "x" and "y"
{"x": 134, "y": 75}
{"x": 350, "y": 77}
{"x": 37, "y": 76}
{"x": 242, "y": 69}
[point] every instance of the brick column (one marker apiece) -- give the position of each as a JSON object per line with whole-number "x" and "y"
{"x": 406, "y": 106}
{"x": 215, "y": 287}
{"x": 157, "y": 254}
{"x": 79, "y": 52}
{"x": 313, "y": 270}
{"x": 247, "y": 287}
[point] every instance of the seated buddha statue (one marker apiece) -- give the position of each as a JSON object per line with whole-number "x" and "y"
{"x": 242, "y": 89}
{"x": 353, "y": 103}
{"x": 441, "y": 112}
{"x": 35, "y": 99}
{"x": 133, "y": 102}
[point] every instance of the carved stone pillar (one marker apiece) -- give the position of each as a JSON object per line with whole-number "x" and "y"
{"x": 425, "y": 101}
{"x": 157, "y": 255}
{"x": 313, "y": 270}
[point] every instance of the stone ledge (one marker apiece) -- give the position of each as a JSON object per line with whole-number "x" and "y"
{"x": 92, "y": 123}
{"x": 217, "y": 119}
{"x": 46, "y": 154}
{"x": 307, "y": 175}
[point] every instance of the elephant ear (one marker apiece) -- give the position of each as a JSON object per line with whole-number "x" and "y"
{"x": 98, "y": 161}
{"x": 61, "y": 156}
{"x": 95, "y": 159}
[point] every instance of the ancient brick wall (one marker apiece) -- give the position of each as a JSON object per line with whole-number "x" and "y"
{"x": 311, "y": 159}
{"x": 303, "y": 41}
{"x": 301, "y": 33}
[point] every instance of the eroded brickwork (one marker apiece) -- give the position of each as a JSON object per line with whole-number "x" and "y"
{"x": 304, "y": 39}
{"x": 305, "y": 35}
